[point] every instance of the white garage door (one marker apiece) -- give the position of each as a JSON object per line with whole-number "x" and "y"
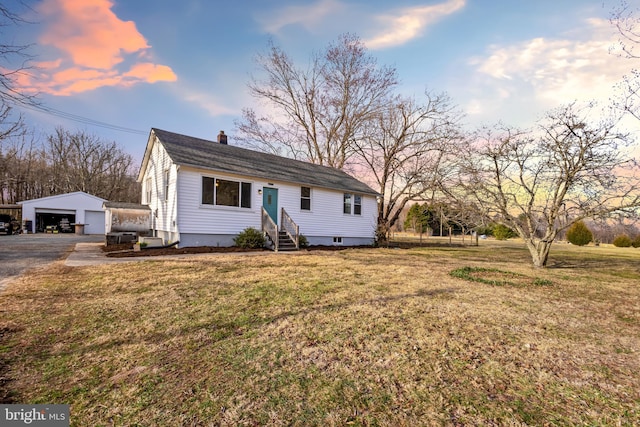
{"x": 94, "y": 222}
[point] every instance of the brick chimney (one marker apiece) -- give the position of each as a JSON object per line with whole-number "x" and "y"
{"x": 222, "y": 138}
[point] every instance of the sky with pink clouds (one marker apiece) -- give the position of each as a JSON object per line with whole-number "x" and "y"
{"x": 183, "y": 66}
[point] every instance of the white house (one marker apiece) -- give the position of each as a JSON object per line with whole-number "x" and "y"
{"x": 203, "y": 193}
{"x": 71, "y": 208}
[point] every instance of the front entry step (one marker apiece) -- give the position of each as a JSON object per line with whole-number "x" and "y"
{"x": 285, "y": 243}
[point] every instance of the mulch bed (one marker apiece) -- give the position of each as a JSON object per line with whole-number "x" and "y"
{"x": 125, "y": 250}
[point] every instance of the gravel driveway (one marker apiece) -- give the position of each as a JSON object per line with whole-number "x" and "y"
{"x": 21, "y": 252}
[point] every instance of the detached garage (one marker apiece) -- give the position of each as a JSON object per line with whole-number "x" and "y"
{"x": 63, "y": 212}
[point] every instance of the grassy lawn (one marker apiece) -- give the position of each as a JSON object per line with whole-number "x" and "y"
{"x": 383, "y": 337}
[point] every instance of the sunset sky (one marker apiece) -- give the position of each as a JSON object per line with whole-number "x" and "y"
{"x": 183, "y": 65}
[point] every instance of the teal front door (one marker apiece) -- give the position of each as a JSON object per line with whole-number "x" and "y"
{"x": 270, "y": 202}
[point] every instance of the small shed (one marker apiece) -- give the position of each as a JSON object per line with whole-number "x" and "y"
{"x": 63, "y": 211}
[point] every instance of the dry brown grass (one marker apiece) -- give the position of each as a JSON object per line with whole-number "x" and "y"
{"x": 357, "y": 337}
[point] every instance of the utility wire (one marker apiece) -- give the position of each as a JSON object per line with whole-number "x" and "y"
{"x": 76, "y": 118}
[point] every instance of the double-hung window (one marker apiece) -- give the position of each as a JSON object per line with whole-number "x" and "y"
{"x": 357, "y": 204}
{"x": 305, "y": 198}
{"x": 223, "y": 192}
{"x": 166, "y": 184}
{"x": 346, "y": 204}
{"x": 352, "y": 204}
{"x": 148, "y": 190}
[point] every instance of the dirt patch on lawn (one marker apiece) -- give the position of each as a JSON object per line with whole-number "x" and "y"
{"x": 492, "y": 276}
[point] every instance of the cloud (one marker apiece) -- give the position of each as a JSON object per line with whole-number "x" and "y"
{"x": 309, "y": 17}
{"x": 212, "y": 104}
{"x": 557, "y": 70}
{"x": 93, "y": 47}
{"x": 150, "y": 73}
{"x": 395, "y": 28}
{"x": 406, "y": 24}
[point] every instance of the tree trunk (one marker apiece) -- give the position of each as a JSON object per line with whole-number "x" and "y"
{"x": 539, "y": 252}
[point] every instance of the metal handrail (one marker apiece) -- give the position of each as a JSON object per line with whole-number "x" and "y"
{"x": 270, "y": 228}
{"x": 292, "y": 229}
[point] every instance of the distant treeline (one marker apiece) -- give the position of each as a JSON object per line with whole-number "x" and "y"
{"x": 65, "y": 162}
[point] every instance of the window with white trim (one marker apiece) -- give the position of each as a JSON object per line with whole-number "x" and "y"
{"x": 148, "y": 190}
{"x": 305, "y": 198}
{"x": 357, "y": 204}
{"x": 346, "y": 204}
{"x": 166, "y": 184}
{"x": 352, "y": 204}
{"x": 224, "y": 192}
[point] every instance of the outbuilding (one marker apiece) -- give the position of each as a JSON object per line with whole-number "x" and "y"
{"x": 64, "y": 212}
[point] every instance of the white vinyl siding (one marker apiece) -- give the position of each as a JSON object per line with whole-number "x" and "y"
{"x": 160, "y": 178}
{"x": 197, "y": 217}
{"x": 327, "y": 218}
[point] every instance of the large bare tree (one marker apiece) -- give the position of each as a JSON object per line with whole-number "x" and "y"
{"x": 318, "y": 111}
{"x": 405, "y": 151}
{"x": 83, "y": 162}
{"x": 574, "y": 165}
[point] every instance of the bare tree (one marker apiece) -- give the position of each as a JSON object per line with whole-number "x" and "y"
{"x": 540, "y": 182}
{"x": 66, "y": 162}
{"x": 318, "y": 111}
{"x": 405, "y": 151}
{"x": 24, "y": 172}
{"x": 14, "y": 58}
{"x": 13, "y": 61}
{"x": 626, "y": 19}
{"x": 83, "y": 162}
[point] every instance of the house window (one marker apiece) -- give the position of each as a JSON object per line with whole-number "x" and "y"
{"x": 346, "y": 205}
{"x": 222, "y": 192}
{"x": 148, "y": 190}
{"x": 352, "y": 204}
{"x": 245, "y": 199}
{"x": 305, "y": 198}
{"x": 208, "y": 185}
{"x": 227, "y": 193}
{"x": 166, "y": 184}
{"x": 337, "y": 240}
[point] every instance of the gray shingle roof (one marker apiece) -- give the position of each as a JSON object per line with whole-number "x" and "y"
{"x": 201, "y": 153}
